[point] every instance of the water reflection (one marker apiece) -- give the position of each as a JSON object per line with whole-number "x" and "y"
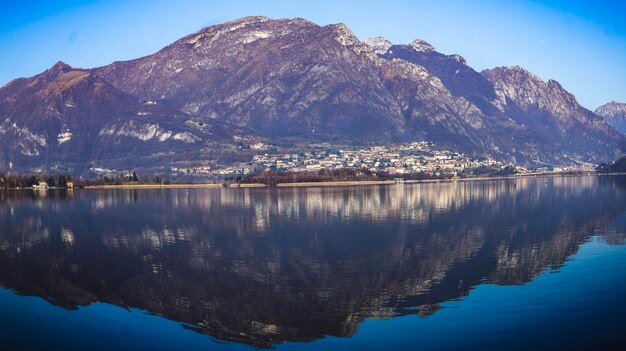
{"x": 260, "y": 266}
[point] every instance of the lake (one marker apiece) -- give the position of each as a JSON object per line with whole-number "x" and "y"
{"x": 518, "y": 264}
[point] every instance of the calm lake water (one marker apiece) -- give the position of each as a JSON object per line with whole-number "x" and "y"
{"x": 486, "y": 265}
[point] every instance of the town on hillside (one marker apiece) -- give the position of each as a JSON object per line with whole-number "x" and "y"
{"x": 408, "y": 158}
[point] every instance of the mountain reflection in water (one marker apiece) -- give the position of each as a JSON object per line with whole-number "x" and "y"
{"x": 264, "y": 266}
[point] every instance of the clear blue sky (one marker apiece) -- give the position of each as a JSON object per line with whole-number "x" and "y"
{"x": 582, "y": 44}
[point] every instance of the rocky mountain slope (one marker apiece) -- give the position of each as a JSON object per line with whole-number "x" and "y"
{"x": 70, "y": 119}
{"x": 553, "y": 115}
{"x": 614, "y": 113}
{"x": 291, "y": 79}
{"x": 279, "y": 77}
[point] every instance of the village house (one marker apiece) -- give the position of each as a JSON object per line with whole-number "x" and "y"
{"x": 41, "y": 185}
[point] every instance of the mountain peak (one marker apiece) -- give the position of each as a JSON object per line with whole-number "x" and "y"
{"x": 380, "y": 45}
{"x": 344, "y": 34}
{"x": 59, "y": 69}
{"x": 555, "y": 84}
{"x": 421, "y": 45}
{"x": 458, "y": 58}
{"x": 513, "y": 73}
{"x": 612, "y": 105}
{"x": 228, "y": 26}
{"x": 612, "y": 110}
{"x": 517, "y": 69}
{"x": 614, "y": 113}
{"x": 248, "y": 20}
{"x": 254, "y": 21}
{"x": 61, "y": 66}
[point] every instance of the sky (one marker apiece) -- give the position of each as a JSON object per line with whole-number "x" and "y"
{"x": 581, "y": 44}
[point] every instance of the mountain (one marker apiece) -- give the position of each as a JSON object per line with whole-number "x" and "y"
{"x": 279, "y": 77}
{"x": 617, "y": 166}
{"x": 291, "y": 81}
{"x": 70, "y": 119}
{"x": 295, "y": 78}
{"x": 614, "y": 113}
{"x": 553, "y": 115}
{"x": 535, "y": 121}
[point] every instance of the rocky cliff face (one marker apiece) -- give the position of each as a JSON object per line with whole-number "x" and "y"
{"x": 614, "y": 113}
{"x": 291, "y": 78}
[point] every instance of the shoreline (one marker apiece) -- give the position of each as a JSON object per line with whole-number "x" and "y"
{"x": 420, "y": 181}
{"x": 155, "y": 186}
{"x": 357, "y": 182}
{"x": 326, "y": 184}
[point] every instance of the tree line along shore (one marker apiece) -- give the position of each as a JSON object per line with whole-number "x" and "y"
{"x": 337, "y": 177}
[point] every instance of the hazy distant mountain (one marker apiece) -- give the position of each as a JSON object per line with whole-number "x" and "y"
{"x": 291, "y": 78}
{"x": 615, "y": 114}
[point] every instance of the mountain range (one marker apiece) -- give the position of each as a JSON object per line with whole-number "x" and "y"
{"x": 288, "y": 82}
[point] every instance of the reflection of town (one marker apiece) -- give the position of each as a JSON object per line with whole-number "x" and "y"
{"x": 262, "y": 266}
